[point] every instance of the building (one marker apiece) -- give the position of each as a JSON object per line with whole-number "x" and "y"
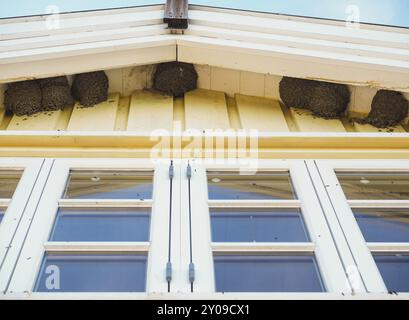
{"x": 221, "y": 193}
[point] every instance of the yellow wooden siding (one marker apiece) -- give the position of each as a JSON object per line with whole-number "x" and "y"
{"x": 206, "y": 109}
{"x": 369, "y": 128}
{"x": 101, "y": 117}
{"x": 43, "y": 121}
{"x": 2, "y": 114}
{"x": 261, "y": 114}
{"x": 306, "y": 122}
{"x": 149, "y": 111}
{"x": 201, "y": 109}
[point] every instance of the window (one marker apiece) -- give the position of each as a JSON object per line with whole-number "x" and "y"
{"x": 87, "y": 271}
{"x": 92, "y": 230}
{"x": 264, "y": 233}
{"x": 267, "y": 224}
{"x": 381, "y": 223}
{"x": 122, "y": 226}
{"x": 372, "y": 204}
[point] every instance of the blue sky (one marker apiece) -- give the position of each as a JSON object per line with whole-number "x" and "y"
{"x": 389, "y": 12}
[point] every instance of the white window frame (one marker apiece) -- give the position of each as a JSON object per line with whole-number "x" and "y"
{"x": 360, "y": 249}
{"x": 332, "y": 273}
{"x": 36, "y": 245}
{"x": 20, "y": 205}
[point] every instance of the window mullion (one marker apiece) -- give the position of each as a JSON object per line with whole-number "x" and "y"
{"x": 254, "y": 204}
{"x": 115, "y": 203}
{"x": 54, "y": 246}
{"x": 243, "y": 247}
{"x": 404, "y": 204}
{"x": 388, "y": 247}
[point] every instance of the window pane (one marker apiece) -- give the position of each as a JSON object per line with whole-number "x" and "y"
{"x": 257, "y": 225}
{"x": 267, "y": 273}
{"x": 375, "y": 186}
{"x": 92, "y": 273}
{"x": 260, "y": 186}
{"x": 102, "y": 224}
{"x": 395, "y": 271}
{"x": 8, "y": 183}
{"x": 383, "y": 225}
{"x": 109, "y": 185}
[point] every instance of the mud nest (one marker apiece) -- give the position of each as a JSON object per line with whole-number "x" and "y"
{"x": 90, "y": 88}
{"x": 329, "y": 100}
{"x": 296, "y": 93}
{"x": 175, "y": 78}
{"x": 23, "y": 98}
{"x": 56, "y": 93}
{"x": 326, "y": 100}
{"x": 389, "y": 108}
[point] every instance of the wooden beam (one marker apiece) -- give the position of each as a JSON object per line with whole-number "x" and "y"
{"x": 176, "y": 14}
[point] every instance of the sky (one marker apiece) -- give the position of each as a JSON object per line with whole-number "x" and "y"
{"x": 387, "y": 12}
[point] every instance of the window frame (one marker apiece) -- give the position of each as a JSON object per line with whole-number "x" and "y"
{"x": 360, "y": 249}
{"x": 37, "y": 242}
{"x": 323, "y": 247}
{"x": 17, "y": 208}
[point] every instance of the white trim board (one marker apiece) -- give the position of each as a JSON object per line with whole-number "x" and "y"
{"x": 372, "y": 56}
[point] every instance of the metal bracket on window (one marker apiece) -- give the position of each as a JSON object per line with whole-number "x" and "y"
{"x": 169, "y": 263}
{"x": 169, "y": 271}
{"x": 191, "y": 272}
{"x": 191, "y": 264}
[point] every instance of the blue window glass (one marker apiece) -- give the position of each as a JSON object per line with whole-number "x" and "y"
{"x": 109, "y": 185}
{"x": 267, "y": 273}
{"x": 1, "y": 215}
{"x": 395, "y": 271}
{"x": 375, "y": 186}
{"x": 102, "y": 224}
{"x": 258, "y": 225}
{"x": 260, "y": 186}
{"x": 383, "y": 225}
{"x": 92, "y": 273}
